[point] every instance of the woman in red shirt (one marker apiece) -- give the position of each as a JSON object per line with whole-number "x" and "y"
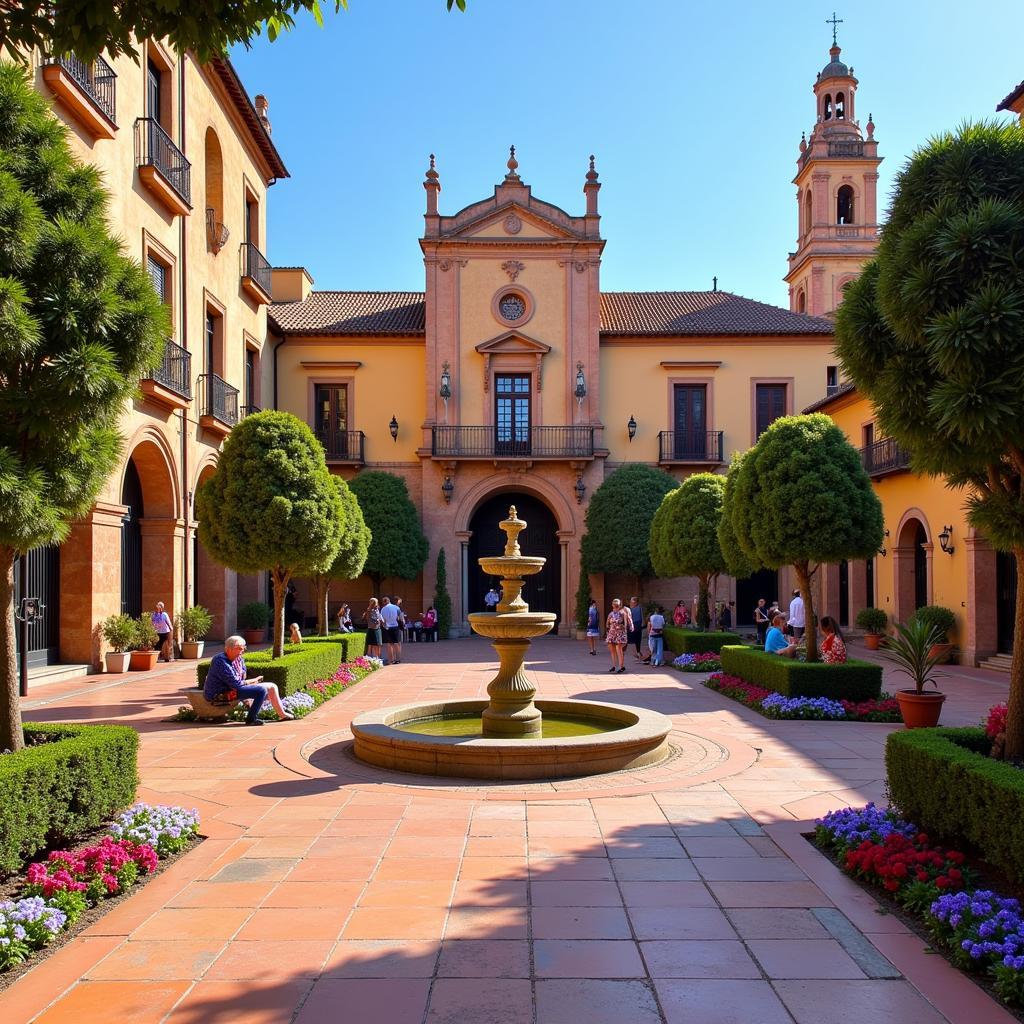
{"x": 833, "y": 647}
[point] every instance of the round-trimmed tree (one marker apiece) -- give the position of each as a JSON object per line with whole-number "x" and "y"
{"x": 351, "y": 557}
{"x": 933, "y": 334}
{"x": 398, "y": 548}
{"x": 801, "y": 497}
{"x": 272, "y": 505}
{"x": 80, "y": 323}
{"x": 619, "y": 521}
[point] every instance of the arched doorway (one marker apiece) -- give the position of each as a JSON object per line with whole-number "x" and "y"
{"x": 542, "y": 592}
{"x": 911, "y": 567}
{"x": 131, "y": 541}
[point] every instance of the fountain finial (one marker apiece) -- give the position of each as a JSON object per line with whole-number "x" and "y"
{"x": 512, "y": 527}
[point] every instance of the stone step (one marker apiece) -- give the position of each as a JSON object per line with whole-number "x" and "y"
{"x": 42, "y": 674}
{"x": 997, "y": 663}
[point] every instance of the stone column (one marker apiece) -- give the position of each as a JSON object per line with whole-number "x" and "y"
{"x": 982, "y": 639}
{"x": 903, "y": 582}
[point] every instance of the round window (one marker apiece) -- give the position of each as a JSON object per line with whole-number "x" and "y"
{"x": 512, "y": 307}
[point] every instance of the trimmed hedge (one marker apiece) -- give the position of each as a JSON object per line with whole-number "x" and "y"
{"x": 56, "y": 791}
{"x": 852, "y": 680}
{"x": 301, "y": 665}
{"x": 353, "y": 644}
{"x": 693, "y": 641}
{"x": 944, "y": 781}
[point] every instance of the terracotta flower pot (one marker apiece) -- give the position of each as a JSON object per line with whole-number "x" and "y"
{"x": 142, "y": 661}
{"x": 920, "y": 710}
{"x": 941, "y": 653}
{"x": 254, "y": 636}
{"x": 872, "y": 641}
{"x": 117, "y": 661}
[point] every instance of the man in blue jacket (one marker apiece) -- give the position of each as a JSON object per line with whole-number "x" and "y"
{"x": 227, "y": 673}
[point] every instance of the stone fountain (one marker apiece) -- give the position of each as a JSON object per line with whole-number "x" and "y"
{"x": 511, "y": 735}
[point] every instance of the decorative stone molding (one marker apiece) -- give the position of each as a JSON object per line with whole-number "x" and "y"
{"x": 513, "y": 268}
{"x": 578, "y": 265}
{"x": 446, "y": 265}
{"x": 512, "y": 224}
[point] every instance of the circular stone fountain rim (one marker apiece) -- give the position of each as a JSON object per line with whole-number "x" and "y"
{"x": 648, "y": 725}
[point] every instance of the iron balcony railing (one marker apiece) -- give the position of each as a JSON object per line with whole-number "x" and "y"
{"x": 342, "y": 445}
{"x": 154, "y": 148}
{"x": 218, "y": 399}
{"x": 248, "y": 410}
{"x": 677, "y": 446}
{"x": 570, "y": 442}
{"x": 175, "y": 371}
{"x": 884, "y": 456}
{"x": 97, "y": 80}
{"x": 256, "y": 266}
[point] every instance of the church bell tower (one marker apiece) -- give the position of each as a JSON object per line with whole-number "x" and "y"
{"x": 837, "y": 201}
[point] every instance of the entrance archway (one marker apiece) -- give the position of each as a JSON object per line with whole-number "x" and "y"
{"x": 131, "y": 541}
{"x": 912, "y": 566}
{"x": 542, "y": 592}
{"x": 763, "y": 583}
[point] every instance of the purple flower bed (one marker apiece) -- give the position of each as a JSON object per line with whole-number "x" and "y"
{"x": 25, "y": 925}
{"x": 779, "y": 706}
{"x": 852, "y": 825}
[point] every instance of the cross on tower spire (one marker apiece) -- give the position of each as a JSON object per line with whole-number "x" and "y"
{"x": 834, "y": 21}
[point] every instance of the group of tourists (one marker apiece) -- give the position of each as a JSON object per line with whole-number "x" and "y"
{"x": 387, "y": 625}
{"x": 781, "y": 633}
{"x": 624, "y": 625}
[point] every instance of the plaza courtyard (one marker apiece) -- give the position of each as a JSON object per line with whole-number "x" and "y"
{"x": 327, "y": 890}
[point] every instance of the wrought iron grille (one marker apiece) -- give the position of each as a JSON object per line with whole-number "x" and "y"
{"x": 342, "y": 445}
{"x": 97, "y": 80}
{"x": 884, "y": 456}
{"x": 175, "y": 371}
{"x": 677, "y": 446}
{"x": 154, "y": 148}
{"x": 569, "y": 442}
{"x": 256, "y": 266}
{"x": 218, "y": 399}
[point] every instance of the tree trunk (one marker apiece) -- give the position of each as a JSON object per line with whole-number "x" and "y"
{"x": 1014, "y": 750}
{"x": 280, "y": 578}
{"x": 703, "y": 612}
{"x": 322, "y": 591}
{"x": 11, "y": 735}
{"x": 810, "y": 619}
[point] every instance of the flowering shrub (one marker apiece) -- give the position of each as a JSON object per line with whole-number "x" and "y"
{"x": 884, "y": 709}
{"x": 106, "y": 869}
{"x": 167, "y": 830}
{"x": 852, "y": 825}
{"x": 737, "y": 689}
{"x": 776, "y": 705}
{"x": 708, "y": 661}
{"x": 915, "y": 872}
{"x": 25, "y": 925}
{"x": 995, "y": 724}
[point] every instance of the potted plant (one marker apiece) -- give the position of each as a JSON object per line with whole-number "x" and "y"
{"x": 911, "y": 649}
{"x": 252, "y": 621}
{"x": 195, "y": 623}
{"x": 942, "y": 620}
{"x": 144, "y": 641}
{"x": 873, "y": 621}
{"x": 119, "y": 632}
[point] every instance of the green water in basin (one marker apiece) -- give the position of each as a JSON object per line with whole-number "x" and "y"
{"x": 552, "y": 726}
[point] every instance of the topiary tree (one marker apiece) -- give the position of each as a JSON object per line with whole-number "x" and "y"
{"x": 271, "y": 506}
{"x": 583, "y": 599}
{"x": 801, "y": 497}
{"x": 442, "y": 599}
{"x": 684, "y": 537}
{"x": 398, "y": 547}
{"x": 80, "y": 323}
{"x": 351, "y": 557}
{"x": 619, "y": 521}
{"x": 933, "y": 334}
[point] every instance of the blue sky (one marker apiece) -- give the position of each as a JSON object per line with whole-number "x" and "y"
{"x": 693, "y": 110}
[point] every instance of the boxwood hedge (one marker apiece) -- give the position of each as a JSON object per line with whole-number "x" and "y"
{"x": 300, "y": 665}
{"x": 852, "y": 680}
{"x": 71, "y": 780}
{"x": 693, "y": 641}
{"x": 353, "y": 644}
{"x": 944, "y": 781}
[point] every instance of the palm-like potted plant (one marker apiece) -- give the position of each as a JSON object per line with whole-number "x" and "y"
{"x": 912, "y": 649}
{"x": 119, "y": 632}
{"x": 195, "y": 623}
{"x": 252, "y": 621}
{"x": 144, "y": 641}
{"x": 942, "y": 620}
{"x": 873, "y": 621}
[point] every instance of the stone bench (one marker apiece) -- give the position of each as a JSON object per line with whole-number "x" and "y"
{"x": 204, "y": 709}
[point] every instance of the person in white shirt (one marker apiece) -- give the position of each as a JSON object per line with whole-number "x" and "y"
{"x": 389, "y": 615}
{"x": 796, "y": 615}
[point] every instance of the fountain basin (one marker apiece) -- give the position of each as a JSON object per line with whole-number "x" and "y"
{"x": 515, "y": 626}
{"x": 638, "y": 738}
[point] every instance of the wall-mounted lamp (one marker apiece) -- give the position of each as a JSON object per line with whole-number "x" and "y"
{"x": 447, "y": 489}
{"x": 947, "y": 532}
{"x": 581, "y": 385}
{"x": 631, "y": 427}
{"x": 393, "y": 427}
{"x": 580, "y": 488}
{"x": 446, "y": 383}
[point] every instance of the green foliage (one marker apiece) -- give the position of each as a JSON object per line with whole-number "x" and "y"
{"x": 144, "y": 636}
{"x": 945, "y": 782}
{"x": 398, "y": 548}
{"x": 210, "y": 29}
{"x": 298, "y": 666}
{"x": 355, "y": 537}
{"x": 353, "y": 645}
{"x": 872, "y": 620}
{"x": 619, "y": 520}
{"x": 442, "y": 599}
{"x": 253, "y": 615}
{"x": 852, "y": 680}
{"x": 194, "y": 623}
{"x": 583, "y": 599}
{"x": 942, "y": 620}
{"x": 119, "y": 632}
{"x": 68, "y": 781}
{"x": 911, "y": 648}
{"x": 684, "y": 530}
{"x": 690, "y": 641}
{"x": 739, "y": 561}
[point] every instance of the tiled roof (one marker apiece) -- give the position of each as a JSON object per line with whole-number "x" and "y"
{"x": 700, "y": 313}
{"x": 1015, "y": 95}
{"x": 352, "y": 313}
{"x": 846, "y": 388}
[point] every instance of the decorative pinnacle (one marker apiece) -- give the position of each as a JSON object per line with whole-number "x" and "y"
{"x": 432, "y": 174}
{"x": 834, "y": 21}
{"x": 592, "y": 173}
{"x": 512, "y": 165}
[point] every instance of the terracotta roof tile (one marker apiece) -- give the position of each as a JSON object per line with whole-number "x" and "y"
{"x": 352, "y": 313}
{"x": 1011, "y": 97}
{"x": 846, "y": 388}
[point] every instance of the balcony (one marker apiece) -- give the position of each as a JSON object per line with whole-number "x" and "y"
{"x": 573, "y": 442}
{"x": 248, "y": 410}
{"x": 171, "y": 382}
{"x": 884, "y": 457}
{"x": 163, "y": 168}
{"x": 218, "y": 404}
{"x": 687, "y": 448}
{"x": 343, "y": 445}
{"x": 256, "y": 273}
{"x": 89, "y": 91}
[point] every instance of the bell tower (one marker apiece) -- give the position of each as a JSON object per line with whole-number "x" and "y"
{"x": 837, "y": 201}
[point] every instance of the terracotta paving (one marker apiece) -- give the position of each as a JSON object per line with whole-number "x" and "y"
{"x": 329, "y": 891}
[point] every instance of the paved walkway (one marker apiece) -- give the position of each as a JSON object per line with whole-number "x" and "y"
{"x": 328, "y": 891}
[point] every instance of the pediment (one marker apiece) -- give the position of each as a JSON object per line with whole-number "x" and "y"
{"x": 513, "y": 342}
{"x": 513, "y": 221}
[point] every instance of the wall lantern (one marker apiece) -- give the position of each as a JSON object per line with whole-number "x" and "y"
{"x": 393, "y": 427}
{"x": 447, "y": 489}
{"x": 631, "y": 427}
{"x": 947, "y": 532}
{"x": 446, "y": 383}
{"x": 580, "y": 488}
{"x": 581, "y": 385}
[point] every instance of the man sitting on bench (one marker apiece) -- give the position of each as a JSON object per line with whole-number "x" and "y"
{"x": 226, "y": 682}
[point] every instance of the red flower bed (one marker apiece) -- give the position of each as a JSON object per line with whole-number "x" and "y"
{"x": 737, "y": 688}
{"x": 886, "y": 709}
{"x": 910, "y": 867}
{"x": 109, "y": 867}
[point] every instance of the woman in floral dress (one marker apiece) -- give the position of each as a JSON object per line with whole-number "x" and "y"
{"x": 616, "y": 635}
{"x": 833, "y": 647}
